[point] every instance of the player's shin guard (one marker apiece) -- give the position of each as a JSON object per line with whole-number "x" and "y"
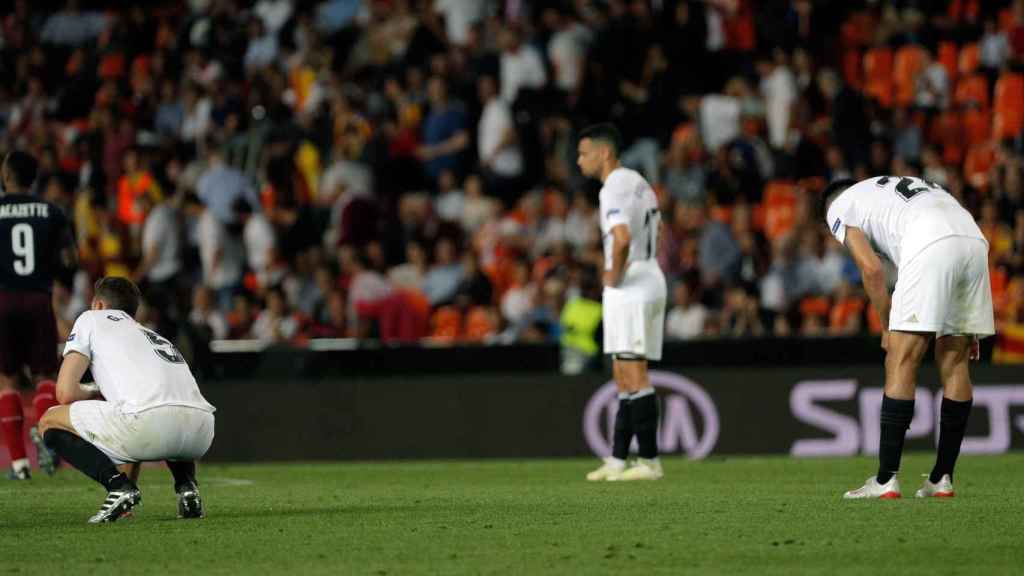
{"x": 644, "y": 412}
{"x": 951, "y": 435}
{"x": 623, "y": 432}
{"x": 12, "y": 422}
{"x": 184, "y": 473}
{"x": 87, "y": 458}
{"x": 895, "y": 420}
{"x": 45, "y": 398}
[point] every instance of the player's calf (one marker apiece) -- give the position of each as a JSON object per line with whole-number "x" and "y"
{"x": 190, "y": 503}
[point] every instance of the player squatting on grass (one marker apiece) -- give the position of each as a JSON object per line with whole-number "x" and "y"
{"x": 152, "y": 411}
{"x": 633, "y": 300}
{"x": 942, "y": 291}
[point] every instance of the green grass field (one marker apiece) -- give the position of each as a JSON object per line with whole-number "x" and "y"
{"x": 721, "y": 516}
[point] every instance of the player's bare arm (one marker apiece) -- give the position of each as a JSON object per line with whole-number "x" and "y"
{"x": 873, "y": 275}
{"x": 620, "y": 251}
{"x": 69, "y": 380}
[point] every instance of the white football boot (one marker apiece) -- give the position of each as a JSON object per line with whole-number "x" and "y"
{"x": 872, "y": 489}
{"x": 643, "y": 470}
{"x": 612, "y": 467}
{"x": 941, "y": 489}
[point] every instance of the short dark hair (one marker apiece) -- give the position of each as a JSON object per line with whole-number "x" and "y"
{"x": 23, "y": 166}
{"x": 605, "y": 132}
{"x": 827, "y": 195}
{"x": 118, "y": 293}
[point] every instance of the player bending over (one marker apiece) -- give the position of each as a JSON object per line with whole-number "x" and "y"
{"x": 36, "y": 246}
{"x": 633, "y": 300}
{"x": 942, "y": 291}
{"x": 153, "y": 408}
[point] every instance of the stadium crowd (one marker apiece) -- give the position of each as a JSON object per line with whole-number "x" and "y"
{"x": 405, "y": 169}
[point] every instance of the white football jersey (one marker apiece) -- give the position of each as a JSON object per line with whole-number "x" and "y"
{"x": 900, "y": 215}
{"x": 132, "y": 365}
{"x": 626, "y": 198}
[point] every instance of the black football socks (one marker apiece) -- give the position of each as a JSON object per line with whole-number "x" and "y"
{"x": 184, "y": 473}
{"x": 895, "y": 421}
{"x": 623, "y": 432}
{"x": 644, "y": 413}
{"x": 87, "y": 458}
{"x": 951, "y": 435}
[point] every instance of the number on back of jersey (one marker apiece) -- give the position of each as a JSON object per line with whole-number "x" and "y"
{"x": 909, "y": 186}
{"x": 163, "y": 348}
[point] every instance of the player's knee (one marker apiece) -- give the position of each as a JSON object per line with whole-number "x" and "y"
{"x": 53, "y": 419}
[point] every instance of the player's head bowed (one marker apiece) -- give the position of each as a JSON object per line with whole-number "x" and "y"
{"x": 116, "y": 293}
{"x": 828, "y": 195}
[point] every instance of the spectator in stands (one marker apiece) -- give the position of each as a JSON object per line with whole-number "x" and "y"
{"x": 275, "y": 323}
{"x": 204, "y": 320}
{"x": 260, "y": 240}
{"x": 445, "y": 274}
{"x": 684, "y": 174}
{"x": 994, "y": 47}
{"x": 222, "y": 256}
{"x": 779, "y": 90}
{"x": 158, "y": 272}
{"x": 521, "y": 65}
{"x": 501, "y": 160}
{"x": 719, "y": 253}
{"x": 221, "y": 187}
{"x": 932, "y": 84}
{"x": 685, "y": 320}
{"x": 333, "y": 321}
{"x": 241, "y": 316}
{"x": 411, "y": 273}
{"x": 444, "y": 132}
{"x": 567, "y": 50}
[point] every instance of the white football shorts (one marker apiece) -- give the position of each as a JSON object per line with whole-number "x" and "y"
{"x": 161, "y": 433}
{"x": 945, "y": 289}
{"x": 634, "y": 312}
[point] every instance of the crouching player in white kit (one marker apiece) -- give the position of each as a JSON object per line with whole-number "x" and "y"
{"x": 153, "y": 409}
{"x": 633, "y": 301}
{"x": 942, "y": 291}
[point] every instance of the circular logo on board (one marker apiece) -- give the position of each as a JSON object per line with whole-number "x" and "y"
{"x": 689, "y": 419}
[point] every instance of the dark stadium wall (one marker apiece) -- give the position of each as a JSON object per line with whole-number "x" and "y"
{"x": 706, "y": 412}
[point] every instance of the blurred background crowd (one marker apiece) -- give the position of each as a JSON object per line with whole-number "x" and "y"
{"x": 405, "y": 169}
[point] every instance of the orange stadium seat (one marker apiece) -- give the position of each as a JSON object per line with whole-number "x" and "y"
{"x": 878, "y": 64}
{"x": 947, "y": 56}
{"x": 1009, "y": 106}
{"x": 967, "y": 63}
{"x": 479, "y": 324}
{"x": 446, "y": 324}
{"x": 977, "y": 164}
{"x": 972, "y": 91}
{"x": 947, "y": 131}
{"x": 907, "y": 64}
{"x": 779, "y": 208}
{"x": 977, "y": 126}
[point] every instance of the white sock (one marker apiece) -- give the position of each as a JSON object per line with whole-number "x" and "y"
{"x": 20, "y": 464}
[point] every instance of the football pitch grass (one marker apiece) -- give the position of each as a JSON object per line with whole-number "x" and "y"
{"x": 719, "y": 516}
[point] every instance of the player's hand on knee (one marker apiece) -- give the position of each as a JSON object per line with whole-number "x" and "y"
{"x": 885, "y": 340}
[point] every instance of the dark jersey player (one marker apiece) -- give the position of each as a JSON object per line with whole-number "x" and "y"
{"x": 36, "y": 246}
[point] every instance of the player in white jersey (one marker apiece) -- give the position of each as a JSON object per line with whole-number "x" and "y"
{"x": 152, "y": 408}
{"x": 633, "y": 301}
{"x": 942, "y": 291}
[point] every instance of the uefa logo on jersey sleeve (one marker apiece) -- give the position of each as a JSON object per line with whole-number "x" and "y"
{"x": 835, "y": 227}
